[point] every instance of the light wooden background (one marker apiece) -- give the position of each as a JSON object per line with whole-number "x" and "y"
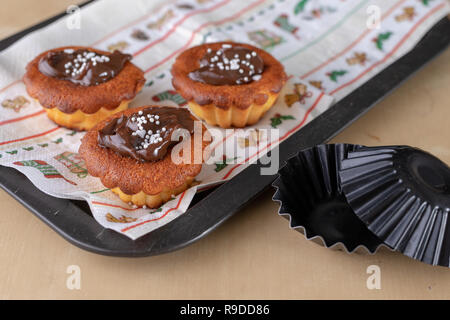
{"x": 254, "y": 254}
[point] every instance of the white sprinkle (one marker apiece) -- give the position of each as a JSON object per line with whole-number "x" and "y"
{"x": 157, "y": 122}
{"x": 256, "y": 77}
{"x": 141, "y": 133}
{"x": 163, "y": 129}
{"x": 234, "y": 65}
{"x": 254, "y": 53}
{"x": 152, "y": 120}
{"x": 241, "y": 71}
{"x": 69, "y": 51}
{"x": 209, "y": 50}
{"x": 226, "y": 45}
{"x": 248, "y": 56}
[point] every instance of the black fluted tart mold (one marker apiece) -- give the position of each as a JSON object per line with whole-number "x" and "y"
{"x": 402, "y": 194}
{"x": 310, "y": 196}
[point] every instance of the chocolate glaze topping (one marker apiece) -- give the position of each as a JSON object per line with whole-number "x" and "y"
{"x": 82, "y": 66}
{"x": 145, "y": 135}
{"x": 229, "y": 66}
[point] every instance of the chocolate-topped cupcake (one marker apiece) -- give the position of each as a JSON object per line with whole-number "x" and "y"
{"x": 228, "y": 84}
{"x": 132, "y": 153}
{"x": 80, "y": 86}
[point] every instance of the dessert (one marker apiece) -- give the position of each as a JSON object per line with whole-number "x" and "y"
{"x": 228, "y": 84}
{"x": 80, "y": 86}
{"x": 132, "y": 152}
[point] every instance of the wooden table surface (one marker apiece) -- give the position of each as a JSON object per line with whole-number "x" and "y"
{"x": 254, "y": 255}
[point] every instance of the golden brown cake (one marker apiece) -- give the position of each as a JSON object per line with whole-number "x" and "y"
{"x": 228, "y": 84}
{"x": 80, "y": 86}
{"x": 131, "y": 152}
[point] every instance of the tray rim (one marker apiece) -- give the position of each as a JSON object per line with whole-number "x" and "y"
{"x": 80, "y": 229}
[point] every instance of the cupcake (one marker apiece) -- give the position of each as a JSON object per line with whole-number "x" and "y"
{"x": 133, "y": 153}
{"x": 80, "y": 86}
{"x": 228, "y": 84}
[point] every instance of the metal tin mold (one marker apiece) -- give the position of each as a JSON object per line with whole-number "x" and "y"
{"x": 402, "y": 194}
{"x": 310, "y": 196}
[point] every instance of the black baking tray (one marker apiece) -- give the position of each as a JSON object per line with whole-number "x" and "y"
{"x": 74, "y": 222}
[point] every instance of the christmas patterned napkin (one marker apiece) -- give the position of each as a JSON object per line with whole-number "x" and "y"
{"x": 328, "y": 47}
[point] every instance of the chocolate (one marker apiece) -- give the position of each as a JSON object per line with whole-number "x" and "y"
{"x": 229, "y": 66}
{"x": 82, "y": 66}
{"x": 146, "y": 134}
